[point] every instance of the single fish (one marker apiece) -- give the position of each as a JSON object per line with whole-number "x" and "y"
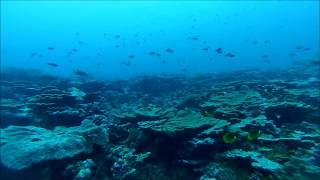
{"x": 33, "y": 54}
{"x": 299, "y": 47}
{"x": 169, "y": 50}
{"x": 152, "y": 53}
{"x": 126, "y": 63}
{"x": 219, "y": 50}
{"x": 230, "y": 55}
{"x": 254, "y": 42}
{"x": 117, "y": 36}
{"x": 291, "y": 54}
{"x": 50, "y": 48}
{"x": 195, "y": 38}
{"x": 205, "y": 49}
{"x": 266, "y": 41}
{"x": 75, "y": 50}
{"x": 158, "y": 54}
{"x": 80, "y": 73}
{"x": 307, "y": 49}
{"x": 53, "y": 64}
{"x": 264, "y": 56}
{"x": 80, "y": 42}
{"x": 131, "y": 56}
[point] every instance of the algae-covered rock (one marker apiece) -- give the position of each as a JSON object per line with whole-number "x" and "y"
{"x": 146, "y": 113}
{"x": 256, "y": 160}
{"x": 233, "y": 105}
{"x": 193, "y": 122}
{"x": 25, "y": 146}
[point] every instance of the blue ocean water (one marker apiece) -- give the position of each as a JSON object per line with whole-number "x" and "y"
{"x": 160, "y": 90}
{"x": 151, "y": 26}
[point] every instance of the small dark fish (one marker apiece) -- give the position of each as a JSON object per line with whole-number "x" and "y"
{"x": 158, "y": 54}
{"x": 169, "y": 50}
{"x": 183, "y": 61}
{"x": 316, "y": 62}
{"x": 86, "y": 57}
{"x": 53, "y": 64}
{"x": 299, "y": 47}
{"x": 254, "y": 42}
{"x": 80, "y": 73}
{"x": 266, "y": 41}
{"x": 75, "y": 50}
{"x": 131, "y": 56}
{"x": 219, "y": 50}
{"x": 117, "y": 36}
{"x": 230, "y": 55}
{"x": 195, "y": 38}
{"x": 264, "y": 56}
{"x": 33, "y": 54}
{"x": 184, "y": 70}
{"x": 163, "y": 62}
{"x": 291, "y": 54}
{"x": 98, "y": 54}
{"x": 50, "y": 48}
{"x": 307, "y": 49}
{"x": 80, "y": 42}
{"x": 205, "y": 49}
{"x": 211, "y": 59}
{"x": 116, "y": 46}
{"x": 152, "y": 53}
{"x": 126, "y": 63}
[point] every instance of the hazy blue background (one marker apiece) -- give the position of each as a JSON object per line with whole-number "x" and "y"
{"x": 28, "y": 27}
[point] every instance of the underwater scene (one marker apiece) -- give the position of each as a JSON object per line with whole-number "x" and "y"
{"x": 160, "y": 90}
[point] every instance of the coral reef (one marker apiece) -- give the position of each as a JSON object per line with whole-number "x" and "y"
{"x": 242, "y": 125}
